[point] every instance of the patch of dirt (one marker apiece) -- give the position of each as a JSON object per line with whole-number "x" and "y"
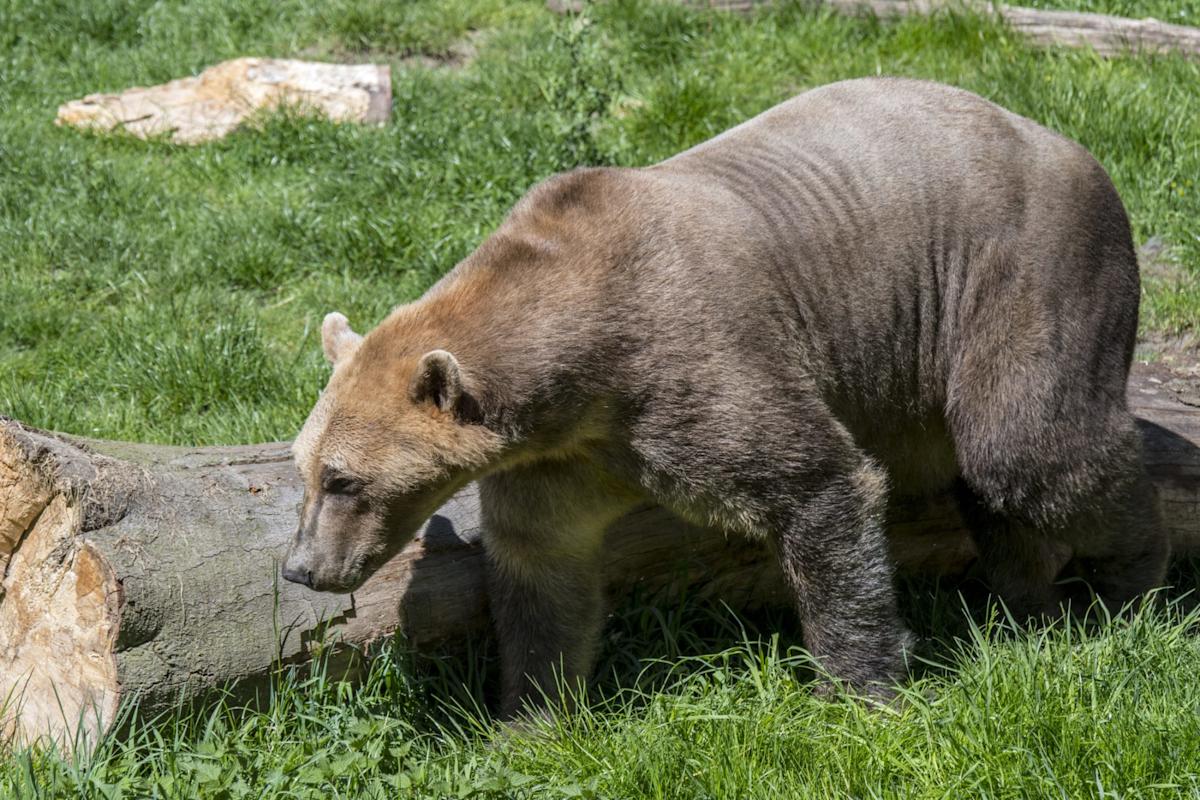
{"x": 456, "y": 55}
{"x": 1157, "y": 263}
{"x": 565, "y": 7}
{"x": 1173, "y": 363}
{"x": 625, "y": 106}
{"x": 459, "y": 54}
{"x": 1175, "y": 351}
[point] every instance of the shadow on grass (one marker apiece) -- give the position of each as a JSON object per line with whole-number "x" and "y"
{"x": 447, "y": 699}
{"x": 650, "y": 646}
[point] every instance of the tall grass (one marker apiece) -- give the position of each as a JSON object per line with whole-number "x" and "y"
{"x": 996, "y": 711}
{"x": 170, "y": 293}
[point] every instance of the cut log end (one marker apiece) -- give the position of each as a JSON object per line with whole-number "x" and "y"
{"x": 58, "y": 676}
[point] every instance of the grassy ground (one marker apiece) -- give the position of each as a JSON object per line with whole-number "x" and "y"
{"x": 171, "y": 294}
{"x": 727, "y": 713}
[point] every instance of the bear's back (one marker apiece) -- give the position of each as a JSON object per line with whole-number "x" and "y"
{"x": 857, "y": 228}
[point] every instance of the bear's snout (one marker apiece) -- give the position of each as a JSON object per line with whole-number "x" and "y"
{"x": 300, "y": 575}
{"x": 296, "y": 567}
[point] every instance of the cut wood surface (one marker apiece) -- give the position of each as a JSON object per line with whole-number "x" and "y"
{"x": 1108, "y": 35}
{"x": 141, "y": 572}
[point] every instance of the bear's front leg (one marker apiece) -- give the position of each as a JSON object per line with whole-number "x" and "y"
{"x": 788, "y": 471}
{"x": 543, "y": 530}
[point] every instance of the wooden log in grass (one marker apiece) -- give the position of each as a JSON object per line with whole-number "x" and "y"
{"x": 1108, "y": 35}
{"x": 140, "y": 572}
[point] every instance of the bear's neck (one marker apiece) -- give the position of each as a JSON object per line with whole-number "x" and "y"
{"x": 531, "y": 326}
{"x": 534, "y": 316}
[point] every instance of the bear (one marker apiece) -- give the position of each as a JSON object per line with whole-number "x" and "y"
{"x": 879, "y": 286}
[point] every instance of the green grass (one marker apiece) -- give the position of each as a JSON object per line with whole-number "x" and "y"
{"x": 165, "y": 293}
{"x": 727, "y": 713}
{"x": 171, "y": 294}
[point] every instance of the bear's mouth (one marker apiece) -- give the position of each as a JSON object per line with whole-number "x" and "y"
{"x": 366, "y": 563}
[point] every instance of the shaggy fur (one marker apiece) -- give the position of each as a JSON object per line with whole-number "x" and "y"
{"x": 877, "y": 282}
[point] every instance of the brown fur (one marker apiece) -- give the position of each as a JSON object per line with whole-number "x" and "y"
{"x": 877, "y": 281}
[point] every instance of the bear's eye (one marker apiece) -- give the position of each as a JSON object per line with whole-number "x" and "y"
{"x": 337, "y": 483}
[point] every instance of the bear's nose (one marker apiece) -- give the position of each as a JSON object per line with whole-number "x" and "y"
{"x": 301, "y": 576}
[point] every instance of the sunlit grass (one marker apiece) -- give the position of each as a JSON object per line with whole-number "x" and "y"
{"x": 189, "y": 273}
{"x": 996, "y": 711}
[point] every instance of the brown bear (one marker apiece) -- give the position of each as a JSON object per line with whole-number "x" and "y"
{"x": 878, "y": 283}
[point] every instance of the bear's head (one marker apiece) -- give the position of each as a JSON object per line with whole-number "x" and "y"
{"x": 395, "y": 433}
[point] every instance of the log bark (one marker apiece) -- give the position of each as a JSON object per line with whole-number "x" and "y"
{"x": 150, "y": 573}
{"x": 1107, "y": 35}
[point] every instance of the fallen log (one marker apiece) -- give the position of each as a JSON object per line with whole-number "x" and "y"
{"x": 1106, "y": 34}
{"x": 139, "y": 572}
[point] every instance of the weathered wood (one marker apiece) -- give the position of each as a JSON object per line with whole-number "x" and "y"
{"x": 133, "y": 571}
{"x": 1106, "y": 34}
{"x": 221, "y": 98}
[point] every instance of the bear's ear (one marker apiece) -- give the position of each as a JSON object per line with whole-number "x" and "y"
{"x": 438, "y": 380}
{"x": 337, "y": 338}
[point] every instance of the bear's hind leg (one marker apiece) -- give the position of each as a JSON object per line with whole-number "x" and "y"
{"x": 1021, "y": 562}
{"x": 1123, "y": 548}
{"x": 1053, "y": 461}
